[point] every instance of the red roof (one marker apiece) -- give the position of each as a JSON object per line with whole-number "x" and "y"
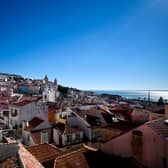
{"x": 73, "y": 159}
{"x": 159, "y": 126}
{"x": 33, "y": 123}
{"x": 22, "y": 103}
{"x": 28, "y": 159}
{"x": 124, "y": 111}
{"x": 29, "y": 98}
{"x": 45, "y": 154}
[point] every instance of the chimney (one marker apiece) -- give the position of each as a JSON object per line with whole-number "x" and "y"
{"x": 166, "y": 111}
{"x": 137, "y": 144}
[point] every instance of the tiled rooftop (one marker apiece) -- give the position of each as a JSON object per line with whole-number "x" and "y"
{"x": 33, "y": 123}
{"x": 28, "y": 160}
{"x": 124, "y": 111}
{"x": 45, "y": 153}
{"x": 85, "y": 157}
{"x": 123, "y": 126}
{"x": 159, "y": 126}
{"x": 75, "y": 159}
{"x": 11, "y": 162}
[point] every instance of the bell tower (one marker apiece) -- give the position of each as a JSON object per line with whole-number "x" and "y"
{"x": 46, "y": 79}
{"x": 55, "y": 81}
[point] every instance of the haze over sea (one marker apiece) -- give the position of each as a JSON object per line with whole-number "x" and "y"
{"x": 137, "y": 94}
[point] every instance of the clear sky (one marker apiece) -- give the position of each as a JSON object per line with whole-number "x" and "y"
{"x": 88, "y": 44}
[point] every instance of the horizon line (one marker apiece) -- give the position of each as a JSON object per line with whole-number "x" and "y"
{"x": 125, "y": 89}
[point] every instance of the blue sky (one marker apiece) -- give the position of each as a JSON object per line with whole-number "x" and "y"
{"x": 88, "y": 44}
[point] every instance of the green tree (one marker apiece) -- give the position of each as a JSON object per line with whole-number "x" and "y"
{"x": 160, "y": 101}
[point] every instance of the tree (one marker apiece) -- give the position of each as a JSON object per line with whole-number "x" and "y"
{"x": 62, "y": 89}
{"x": 160, "y": 101}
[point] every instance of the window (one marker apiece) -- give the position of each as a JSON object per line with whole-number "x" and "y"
{"x": 28, "y": 138}
{"x": 69, "y": 138}
{"x": 45, "y": 97}
{"x": 44, "y": 137}
{"x": 6, "y": 113}
{"x": 78, "y": 137}
{"x": 14, "y": 113}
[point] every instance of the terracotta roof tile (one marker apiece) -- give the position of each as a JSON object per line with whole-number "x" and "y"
{"x": 28, "y": 159}
{"x": 159, "y": 126}
{"x": 45, "y": 153}
{"x": 75, "y": 159}
{"x": 11, "y": 162}
{"x": 33, "y": 123}
{"x": 124, "y": 111}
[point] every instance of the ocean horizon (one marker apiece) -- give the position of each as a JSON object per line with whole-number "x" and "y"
{"x": 136, "y": 94}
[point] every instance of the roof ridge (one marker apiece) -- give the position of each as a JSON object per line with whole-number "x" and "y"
{"x": 54, "y": 147}
{"x": 72, "y": 152}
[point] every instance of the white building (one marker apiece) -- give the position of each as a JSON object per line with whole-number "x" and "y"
{"x": 49, "y": 90}
{"x": 4, "y": 113}
{"x": 66, "y": 135}
{"x": 24, "y": 111}
{"x": 49, "y": 94}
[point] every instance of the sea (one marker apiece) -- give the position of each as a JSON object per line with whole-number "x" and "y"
{"x": 137, "y": 94}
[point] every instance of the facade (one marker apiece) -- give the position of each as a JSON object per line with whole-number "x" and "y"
{"x": 49, "y": 94}
{"x": 23, "y": 111}
{"x": 67, "y": 131}
{"x": 70, "y": 136}
{"x": 4, "y": 113}
{"x": 77, "y": 120}
{"x": 49, "y": 90}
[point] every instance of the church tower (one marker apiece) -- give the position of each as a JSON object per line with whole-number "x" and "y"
{"x": 55, "y": 81}
{"x": 45, "y": 79}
